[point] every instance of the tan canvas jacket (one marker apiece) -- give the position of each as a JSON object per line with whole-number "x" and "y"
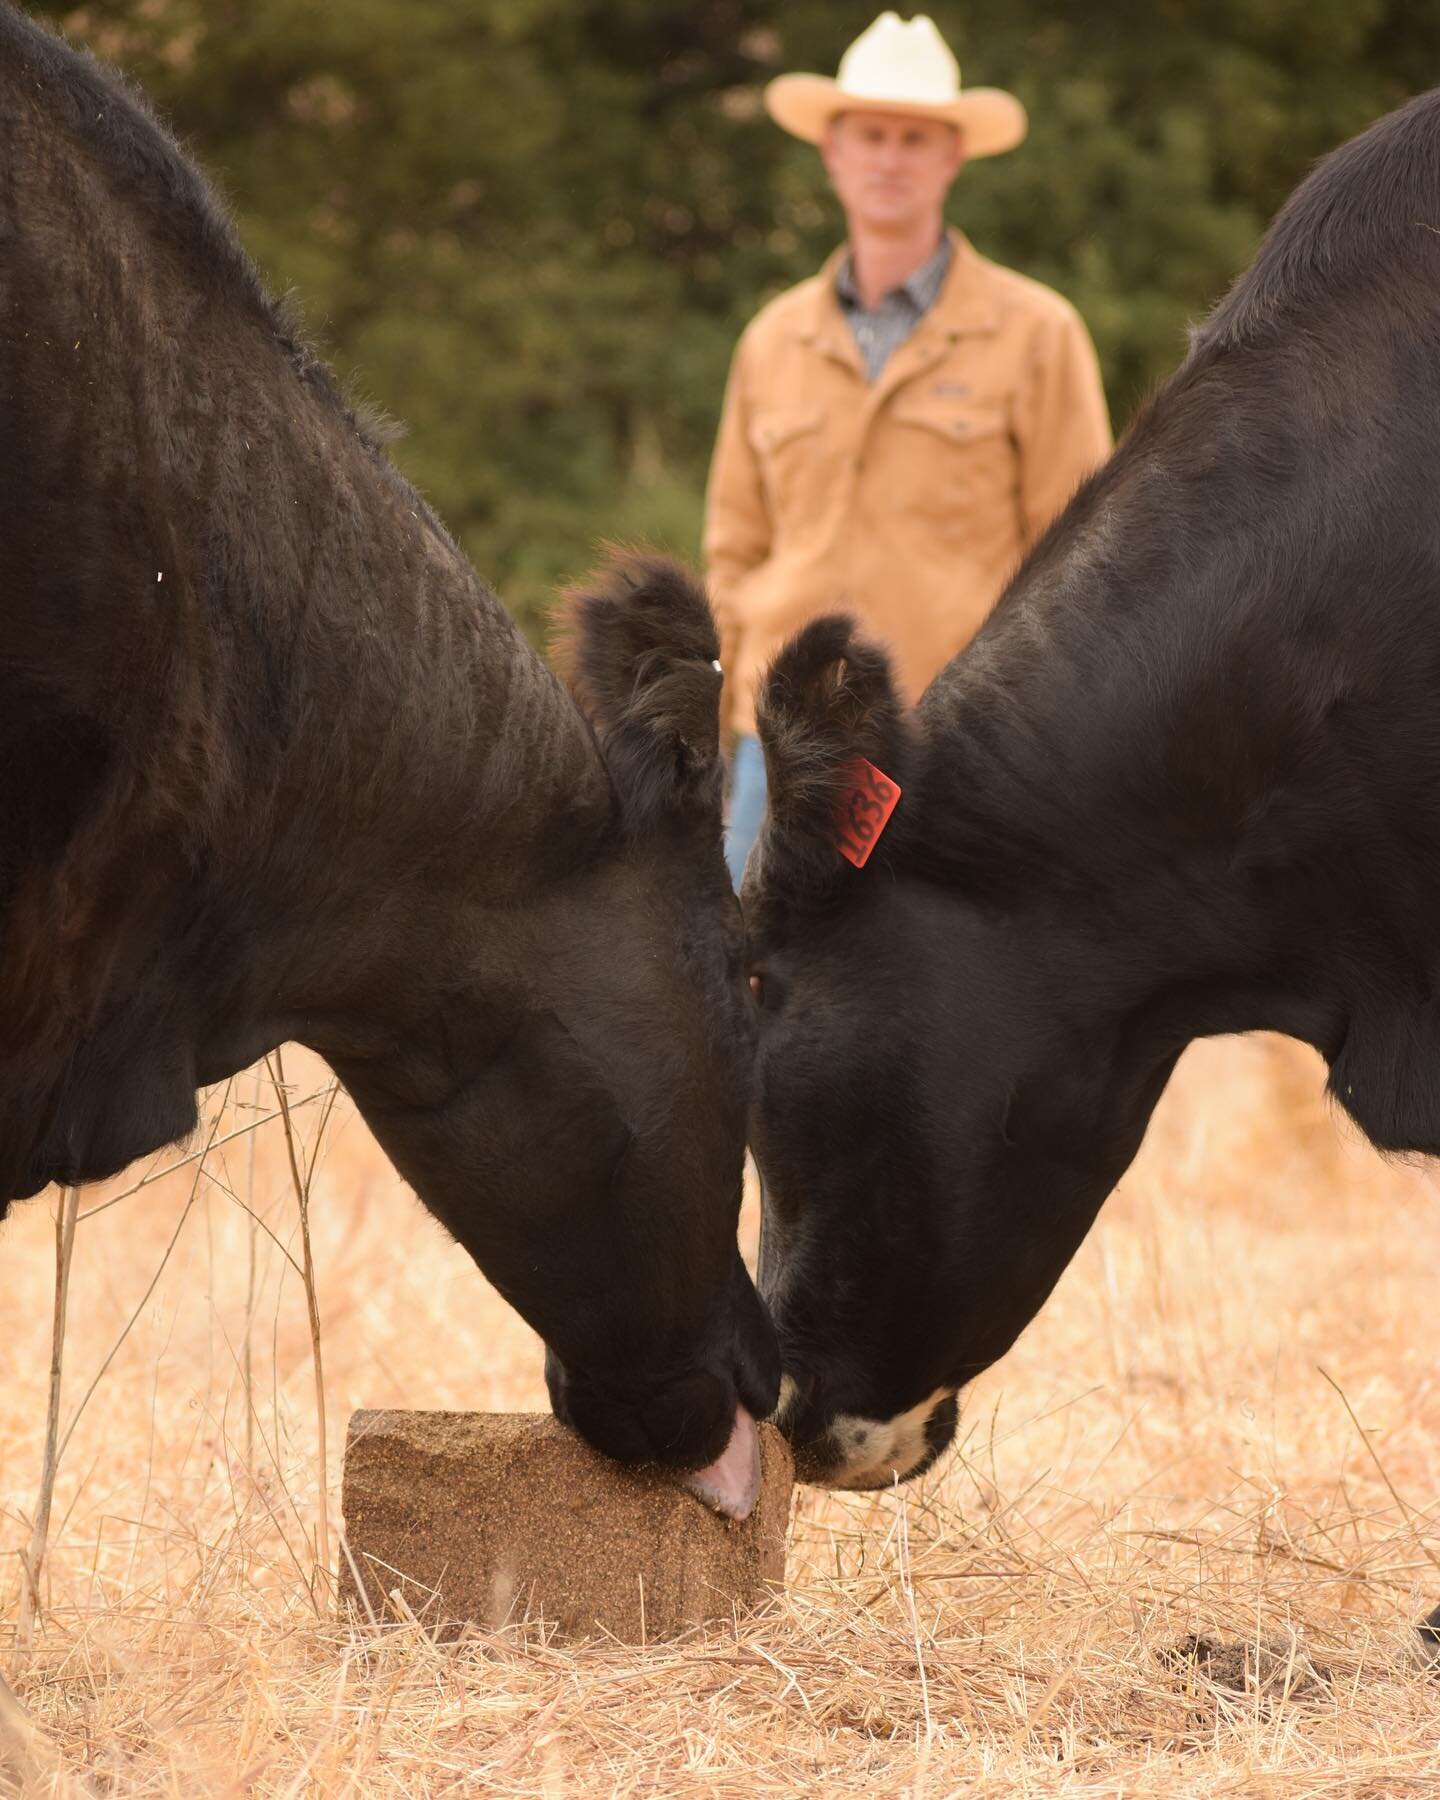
{"x": 909, "y": 502}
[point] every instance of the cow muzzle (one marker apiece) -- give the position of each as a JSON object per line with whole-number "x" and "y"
{"x": 851, "y": 1450}
{"x": 695, "y": 1425}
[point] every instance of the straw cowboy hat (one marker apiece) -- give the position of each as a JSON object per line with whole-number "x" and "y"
{"x": 895, "y": 67}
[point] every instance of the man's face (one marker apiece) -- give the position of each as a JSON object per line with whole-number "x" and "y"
{"x": 891, "y": 173}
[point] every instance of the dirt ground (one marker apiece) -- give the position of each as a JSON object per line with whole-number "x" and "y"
{"x": 1179, "y": 1549}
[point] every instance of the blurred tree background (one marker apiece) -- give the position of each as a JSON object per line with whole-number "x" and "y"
{"x": 533, "y": 229}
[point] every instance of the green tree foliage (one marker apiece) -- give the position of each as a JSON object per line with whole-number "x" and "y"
{"x": 532, "y": 229}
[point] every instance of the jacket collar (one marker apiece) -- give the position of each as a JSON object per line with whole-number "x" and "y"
{"x": 966, "y": 303}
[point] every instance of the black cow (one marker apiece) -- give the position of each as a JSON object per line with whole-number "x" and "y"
{"x": 275, "y": 764}
{"x": 1185, "y": 781}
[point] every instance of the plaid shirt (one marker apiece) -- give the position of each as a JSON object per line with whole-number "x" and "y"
{"x": 881, "y": 331}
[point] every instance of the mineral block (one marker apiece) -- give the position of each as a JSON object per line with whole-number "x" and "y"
{"x": 491, "y": 1517}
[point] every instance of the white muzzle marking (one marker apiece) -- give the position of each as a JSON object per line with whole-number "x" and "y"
{"x": 875, "y": 1452}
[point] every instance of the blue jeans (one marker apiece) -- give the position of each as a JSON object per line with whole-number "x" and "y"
{"x": 747, "y": 803}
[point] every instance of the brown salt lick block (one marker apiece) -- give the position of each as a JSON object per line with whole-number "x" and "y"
{"x": 498, "y": 1516}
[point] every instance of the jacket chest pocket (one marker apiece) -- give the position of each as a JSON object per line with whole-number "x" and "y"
{"x": 965, "y": 458}
{"x": 794, "y": 455}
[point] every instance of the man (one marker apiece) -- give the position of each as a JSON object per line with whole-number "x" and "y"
{"x": 900, "y": 428}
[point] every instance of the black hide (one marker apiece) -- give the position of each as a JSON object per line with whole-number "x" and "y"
{"x": 274, "y": 763}
{"x": 1186, "y": 780}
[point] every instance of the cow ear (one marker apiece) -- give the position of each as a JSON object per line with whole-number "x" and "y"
{"x": 827, "y": 699}
{"x": 643, "y": 664}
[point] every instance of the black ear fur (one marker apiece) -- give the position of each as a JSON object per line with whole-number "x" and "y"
{"x": 828, "y": 697}
{"x": 644, "y": 668}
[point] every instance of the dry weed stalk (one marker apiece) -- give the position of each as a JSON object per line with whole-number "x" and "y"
{"x": 152, "y": 1176}
{"x": 252, "y": 1242}
{"x": 154, "y": 1281}
{"x": 1406, "y": 1512}
{"x": 65, "y": 1218}
{"x": 302, "y": 1195}
{"x": 1163, "y": 1563}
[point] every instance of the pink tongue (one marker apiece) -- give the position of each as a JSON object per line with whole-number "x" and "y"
{"x": 731, "y": 1483}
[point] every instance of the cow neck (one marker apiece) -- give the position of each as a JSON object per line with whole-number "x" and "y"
{"x": 1203, "y": 771}
{"x": 1094, "y": 765}
{"x": 300, "y": 663}
{"x": 416, "y": 708}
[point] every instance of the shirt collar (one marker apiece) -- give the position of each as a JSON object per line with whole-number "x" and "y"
{"x": 920, "y": 288}
{"x": 968, "y": 302}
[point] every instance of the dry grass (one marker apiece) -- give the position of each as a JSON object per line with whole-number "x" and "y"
{"x": 1194, "y": 1513}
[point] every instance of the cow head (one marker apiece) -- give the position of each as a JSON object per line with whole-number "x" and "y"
{"x": 509, "y": 929}
{"x": 588, "y": 1139}
{"x": 934, "y": 1129}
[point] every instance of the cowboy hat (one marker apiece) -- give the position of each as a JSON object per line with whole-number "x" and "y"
{"x": 898, "y": 67}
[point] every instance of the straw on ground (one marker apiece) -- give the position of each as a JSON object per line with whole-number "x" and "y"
{"x": 1171, "y": 1556}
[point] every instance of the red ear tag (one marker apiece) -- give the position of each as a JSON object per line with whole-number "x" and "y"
{"x": 865, "y": 809}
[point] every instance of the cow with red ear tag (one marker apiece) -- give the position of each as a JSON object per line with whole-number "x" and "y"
{"x": 1183, "y": 782}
